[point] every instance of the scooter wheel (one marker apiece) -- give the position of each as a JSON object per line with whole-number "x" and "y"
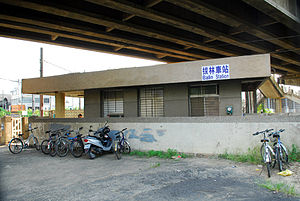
{"x": 91, "y": 154}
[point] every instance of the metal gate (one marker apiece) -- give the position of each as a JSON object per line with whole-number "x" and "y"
{"x": 16, "y": 126}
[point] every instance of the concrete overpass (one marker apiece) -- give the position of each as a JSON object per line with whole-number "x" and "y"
{"x": 163, "y": 30}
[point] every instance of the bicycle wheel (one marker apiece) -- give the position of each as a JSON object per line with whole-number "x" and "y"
{"x": 263, "y": 153}
{"x": 126, "y": 147}
{"x": 45, "y": 146}
{"x": 76, "y": 148}
{"x": 52, "y": 150}
{"x": 117, "y": 150}
{"x": 15, "y": 146}
{"x": 278, "y": 158}
{"x": 62, "y": 147}
{"x": 269, "y": 169}
{"x": 285, "y": 155}
{"x": 36, "y": 143}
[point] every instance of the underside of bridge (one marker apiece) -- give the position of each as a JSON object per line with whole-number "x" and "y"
{"x": 164, "y": 30}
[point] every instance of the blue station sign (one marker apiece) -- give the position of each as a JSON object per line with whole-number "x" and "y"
{"x": 215, "y": 72}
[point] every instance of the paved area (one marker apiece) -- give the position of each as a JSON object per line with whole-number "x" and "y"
{"x": 32, "y": 175}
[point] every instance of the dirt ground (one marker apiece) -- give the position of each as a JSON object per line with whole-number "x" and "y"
{"x": 32, "y": 175}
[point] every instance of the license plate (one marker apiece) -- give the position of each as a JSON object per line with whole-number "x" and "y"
{"x": 87, "y": 146}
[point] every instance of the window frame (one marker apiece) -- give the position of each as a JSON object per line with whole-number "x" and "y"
{"x": 204, "y": 96}
{"x": 154, "y": 110}
{"x": 105, "y": 97}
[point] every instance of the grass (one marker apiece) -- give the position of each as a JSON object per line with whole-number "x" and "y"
{"x": 171, "y": 153}
{"x": 294, "y": 153}
{"x": 280, "y": 187}
{"x": 252, "y": 156}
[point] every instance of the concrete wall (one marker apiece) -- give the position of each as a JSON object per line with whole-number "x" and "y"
{"x": 92, "y": 103}
{"x": 230, "y": 95}
{"x": 130, "y": 102}
{"x": 176, "y": 100}
{"x": 202, "y": 135}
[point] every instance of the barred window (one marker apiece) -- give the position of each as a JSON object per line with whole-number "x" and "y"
{"x": 204, "y": 100}
{"x": 151, "y": 103}
{"x": 113, "y": 103}
{"x": 46, "y": 100}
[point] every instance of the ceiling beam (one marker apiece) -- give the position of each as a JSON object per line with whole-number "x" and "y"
{"x": 238, "y": 24}
{"x": 115, "y": 45}
{"x": 265, "y": 7}
{"x": 74, "y": 28}
{"x": 147, "y": 4}
{"x": 124, "y": 26}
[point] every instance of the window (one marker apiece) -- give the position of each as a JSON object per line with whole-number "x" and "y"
{"x": 113, "y": 103}
{"x": 46, "y": 100}
{"x": 151, "y": 103}
{"x": 204, "y": 100}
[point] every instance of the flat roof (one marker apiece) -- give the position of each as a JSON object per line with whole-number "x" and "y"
{"x": 241, "y": 67}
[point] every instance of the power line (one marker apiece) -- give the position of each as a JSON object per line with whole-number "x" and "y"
{"x": 65, "y": 69}
{"x": 9, "y": 80}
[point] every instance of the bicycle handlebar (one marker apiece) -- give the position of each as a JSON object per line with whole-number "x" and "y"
{"x": 276, "y": 132}
{"x": 31, "y": 129}
{"x": 265, "y": 131}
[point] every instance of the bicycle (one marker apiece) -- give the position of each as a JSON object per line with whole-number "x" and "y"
{"x": 46, "y": 144}
{"x": 266, "y": 150}
{"x": 121, "y": 145}
{"x": 62, "y": 144}
{"x": 17, "y": 144}
{"x": 281, "y": 153}
{"x": 77, "y": 146}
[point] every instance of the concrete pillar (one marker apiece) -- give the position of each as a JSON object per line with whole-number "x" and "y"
{"x": 254, "y": 101}
{"x": 6, "y": 133}
{"x": 278, "y": 107}
{"x": 59, "y": 105}
{"x": 25, "y": 127}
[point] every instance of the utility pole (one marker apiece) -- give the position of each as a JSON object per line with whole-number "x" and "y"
{"x": 41, "y": 75}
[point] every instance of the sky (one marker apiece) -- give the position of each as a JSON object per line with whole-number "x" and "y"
{"x": 21, "y": 59}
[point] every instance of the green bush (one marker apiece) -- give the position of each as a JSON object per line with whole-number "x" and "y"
{"x": 3, "y": 112}
{"x": 294, "y": 153}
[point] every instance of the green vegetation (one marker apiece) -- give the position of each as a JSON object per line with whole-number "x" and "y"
{"x": 171, "y": 153}
{"x": 280, "y": 187}
{"x": 30, "y": 113}
{"x": 3, "y": 112}
{"x": 261, "y": 109}
{"x": 294, "y": 154}
{"x": 252, "y": 156}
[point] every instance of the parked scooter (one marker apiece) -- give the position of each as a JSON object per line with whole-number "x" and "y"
{"x": 99, "y": 142}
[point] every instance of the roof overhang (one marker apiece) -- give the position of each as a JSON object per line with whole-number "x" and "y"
{"x": 243, "y": 67}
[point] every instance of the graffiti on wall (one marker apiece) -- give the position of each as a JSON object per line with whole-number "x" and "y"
{"x": 147, "y": 134}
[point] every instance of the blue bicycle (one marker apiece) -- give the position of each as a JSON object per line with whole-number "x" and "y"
{"x": 121, "y": 145}
{"x": 281, "y": 153}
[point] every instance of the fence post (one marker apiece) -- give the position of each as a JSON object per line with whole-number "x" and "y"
{"x": 7, "y": 131}
{"x": 25, "y": 127}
